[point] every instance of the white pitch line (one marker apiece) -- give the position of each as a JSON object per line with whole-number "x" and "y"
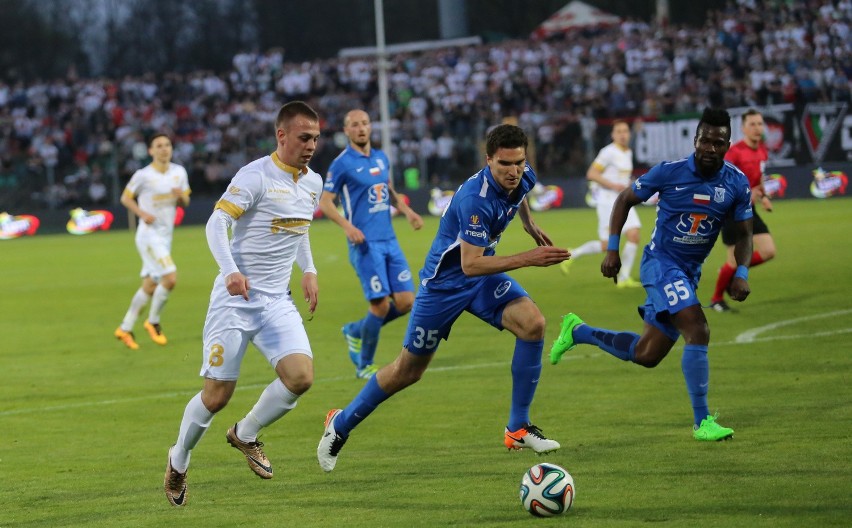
{"x": 255, "y": 386}
{"x": 747, "y": 337}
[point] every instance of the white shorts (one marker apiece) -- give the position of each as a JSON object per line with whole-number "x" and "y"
{"x": 604, "y": 213}
{"x": 271, "y": 322}
{"x": 156, "y": 253}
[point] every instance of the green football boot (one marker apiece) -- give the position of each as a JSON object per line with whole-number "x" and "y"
{"x": 710, "y": 431}
{"x": 565, "y": 341}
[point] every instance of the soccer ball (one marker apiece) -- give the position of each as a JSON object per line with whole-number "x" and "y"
{"x": 547, "y": 490}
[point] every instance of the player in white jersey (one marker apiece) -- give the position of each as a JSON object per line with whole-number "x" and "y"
{"x": 153, "y": 194}
{"x": 268, "y": 207}
{"x": 610, "y": 173}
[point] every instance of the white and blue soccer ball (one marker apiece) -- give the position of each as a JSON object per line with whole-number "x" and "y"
{"x": 547, "y": 490}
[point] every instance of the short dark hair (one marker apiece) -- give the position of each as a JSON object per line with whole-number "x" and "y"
{"x": 293, "y": 109}
{"x": 157, "y": 135}
{"x": 505, "y": 136}
{"x": 716, "y": 117}
{"x": 750, "y": 112}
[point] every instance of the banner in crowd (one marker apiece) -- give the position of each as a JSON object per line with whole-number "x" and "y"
{"x": 14, "y": 226}
{"x": 821, "y": 132}
{"x": 83, "y": 222}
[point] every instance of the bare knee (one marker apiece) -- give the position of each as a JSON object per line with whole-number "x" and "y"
{"x": 299, "y": 383}
{"x": 215, "y": 401}
{"x": 647, "y": 358}
{"x": 403, "y": 302}
{"x": 169, "y": 281}
{"x": 533, "y": 328}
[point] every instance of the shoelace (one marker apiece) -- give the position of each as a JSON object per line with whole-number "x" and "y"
{"x": 336, "y": 444}
{"x": 175, "y": 479}
{"x": 535, "y": 431}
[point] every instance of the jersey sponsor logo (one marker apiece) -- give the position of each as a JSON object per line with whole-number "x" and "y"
{"x": 298, "y": 226}
{"x": 680, "y": 188}
{"x": 701, "y": 199}
{"x": 378, "y": 193}
{"x": 404, "y": 275}
{"x": 696, "y": 228}
{"x": 233, "y": 189}
{"x": 502, "y": 289}
{"x": 719, "y": 195}
{"x": 476, "y": 234}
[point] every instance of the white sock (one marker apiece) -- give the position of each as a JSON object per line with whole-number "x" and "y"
{"x": 161, "y": 295}
{"x": 628, "y": 255}
{"x": 196, "y": 420}
{"x": 140, "y": 299}
{"x": 589, "y": 248}
{"x": 275, "y": 401}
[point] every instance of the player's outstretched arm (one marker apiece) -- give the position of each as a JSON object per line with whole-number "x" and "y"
{"x": 475, "y": 263}
{"x": 530, "y": 226}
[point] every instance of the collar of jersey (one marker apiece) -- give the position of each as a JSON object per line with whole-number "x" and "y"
{"x": 287, "y": 168}
{"x": 358, "y": 153}
{"x": 492, "y": 182}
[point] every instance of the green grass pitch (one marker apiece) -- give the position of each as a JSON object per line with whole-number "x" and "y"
{"x": 86, "y": 423}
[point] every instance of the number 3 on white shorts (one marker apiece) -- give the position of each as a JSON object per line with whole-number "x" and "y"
{"x": 676, "y": 290}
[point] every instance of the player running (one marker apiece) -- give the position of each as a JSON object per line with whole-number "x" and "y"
{"x": 463, "y": 274}
{"x": 696, "y": 193}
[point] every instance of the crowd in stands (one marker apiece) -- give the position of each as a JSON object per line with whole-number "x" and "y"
{"x": 78, "y": 140}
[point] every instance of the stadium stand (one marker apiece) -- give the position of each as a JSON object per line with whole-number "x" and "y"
{"x": 77, "y": 140}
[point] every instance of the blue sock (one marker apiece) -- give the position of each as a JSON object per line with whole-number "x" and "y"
{"x": 393, "y": 313}
{"x": 359, "y": 408}
{"x": 526, "y": 368}
{"x": 619, "y": 344}
{"x": 370, "y": 328}
{"x": 696, "y": 371}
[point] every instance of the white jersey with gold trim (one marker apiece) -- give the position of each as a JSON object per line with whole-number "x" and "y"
{"x": 272, "y": 205}
{"x": 152, "y": 190}
{"x": 616, "y": 166}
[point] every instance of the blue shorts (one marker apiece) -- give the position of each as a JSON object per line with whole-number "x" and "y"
{"x": 670, "y": 289}
{"x": 381, "y": 267}
{"x": 435, "y": 311}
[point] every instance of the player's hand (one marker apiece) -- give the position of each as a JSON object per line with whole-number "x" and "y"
{"x": 739, "y": 289}
{"x": 354, "y": 235}
{"x": 414, "y": 220}
{"x": 148, "y": 218}
{"x": 766, "y": 203}
{"x": 311, "y": 290}
{"x": 544, "y": 256}
{"x": 538, "y": 235}
{"x": 237, "y": 284}
{"x": 611, "y": 265}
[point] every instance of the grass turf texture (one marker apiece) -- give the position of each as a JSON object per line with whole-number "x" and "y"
{"x": 87, "y": 423}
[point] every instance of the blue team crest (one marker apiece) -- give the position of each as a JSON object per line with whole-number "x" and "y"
{"x": 719, "y": 195}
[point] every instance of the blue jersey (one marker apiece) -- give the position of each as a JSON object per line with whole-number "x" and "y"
{"x": 478, "y": 213}
{"x": 361, "y": 182}
{"x": 692, "y": 208}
